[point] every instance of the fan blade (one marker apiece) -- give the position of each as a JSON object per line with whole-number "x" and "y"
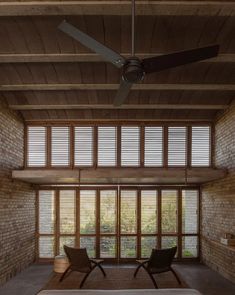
{"x": 162, "y": 62}
{"x": 122, "y": 93}
{"x": 107, "y": 53}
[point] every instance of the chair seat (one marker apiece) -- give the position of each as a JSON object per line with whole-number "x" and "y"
{"x": 97, "y": 260}
{"x": 80, "y": 269}
{"x": 154, "y": 270}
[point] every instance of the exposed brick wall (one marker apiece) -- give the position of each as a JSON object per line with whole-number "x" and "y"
{"x": 17, "y": 200}
{"x": 218, "y": 201}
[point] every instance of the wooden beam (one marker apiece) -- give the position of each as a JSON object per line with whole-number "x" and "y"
{"x": 88, "y": 57}
{"x": 33, "y": 8}
{"x": 141, "y": 86}
{"x": 24, "y": 107}
{"x": 119, "y": 175}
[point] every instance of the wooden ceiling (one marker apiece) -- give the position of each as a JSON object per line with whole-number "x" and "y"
{"x": 48, "y": 76}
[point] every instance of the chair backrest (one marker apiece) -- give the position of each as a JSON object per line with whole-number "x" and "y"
{"x": 78, "y": 258}
{"x": 161, "y": 258}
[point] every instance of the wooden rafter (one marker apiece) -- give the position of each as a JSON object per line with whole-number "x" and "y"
{"x": 213, "y": 8}
{"x": 86, "y": 57}
{"x": 22, "y": 107}
{"x": 84, "y": 86}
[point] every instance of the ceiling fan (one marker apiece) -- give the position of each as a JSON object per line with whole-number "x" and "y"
{"x": 134, "y": 68}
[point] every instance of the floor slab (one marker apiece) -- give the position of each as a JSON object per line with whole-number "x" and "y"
{"x": 196, "y": 275}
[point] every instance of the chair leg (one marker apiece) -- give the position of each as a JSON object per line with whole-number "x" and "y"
{"x": 102, "y": 270}
{"x": 84, "y": 279}
{"x": 153, "y": 280}
{"x": 176, "y": 276}
{"x": 63, "y": 275}
{"x": 137, "y": 269}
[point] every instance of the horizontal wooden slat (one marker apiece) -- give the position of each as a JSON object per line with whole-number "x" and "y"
{"x": 116, "y": 8}
{"x": 86, "y": 57}
{"x": 84, "y": 86}
{"x": 125, "y": 106}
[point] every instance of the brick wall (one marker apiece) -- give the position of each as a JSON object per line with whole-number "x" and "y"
{"x": 17, "y": 200}
{"x": 218, "y": 201}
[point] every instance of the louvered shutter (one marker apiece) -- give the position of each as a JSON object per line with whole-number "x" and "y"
{"x": 200, "y": 146}
{"x": 46, "y": 211}
{"x": 153, "y": 147}
{"x": 83, "y": 146}
{"x": 107, "y": 146}
{"x": 60, "y": 146}
{"x": 36, "y": 146}
{"x": 87, "y": 211}
{"x": 130, "y": 146}
{"x": 177, "y": 146}
{"x": 67, "y": 211}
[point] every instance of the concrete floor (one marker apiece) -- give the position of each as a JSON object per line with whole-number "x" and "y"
{"x": 196, "y": 275}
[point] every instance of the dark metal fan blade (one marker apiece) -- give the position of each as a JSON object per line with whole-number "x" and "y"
{"x": 107, "y": 53}
{"x": 162, "y": 62}
{"x": 122, "y": 93}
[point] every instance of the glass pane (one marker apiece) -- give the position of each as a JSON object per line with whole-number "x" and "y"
{"x": 46, "y": 247}
{"x": 107, "y": 142}
{"x": 201, "y": 146}
{"x": 128, "y": 211}
{"x": 130, "y": 146}
{"x": 87, "y": 212}
{"x": 169, "y": 211}
{"x": 148, "y": 212}
{"x": 108, "y": 206}
{"x": 89, "y": 244}
{"x": 177, "y": 146}
{"x": 108, "y": 247}
{"x": 67, "y": 212}
{"x": 60, "y": 146}
{"x": 153, "y": 146}
{"x": 68, "y": 241}
{"x": 190, "y": 211}
{"x": 46, "y": 212}
{"x": 189, "y": 247}
{"x": 169, "y": 242}
{"x": 36, "y": 146}
{"x": 83, "y": 146}
{"x": 147, "y": 244}
{"x": 128, "y": 247}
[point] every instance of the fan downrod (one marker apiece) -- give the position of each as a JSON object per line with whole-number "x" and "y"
{"x": 133, "y": 70}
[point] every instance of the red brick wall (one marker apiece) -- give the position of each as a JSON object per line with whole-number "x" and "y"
{"x": 218, "y": 201}
{"x": 17, "y": 200}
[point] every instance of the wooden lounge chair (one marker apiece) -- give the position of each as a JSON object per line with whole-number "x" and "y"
{"x": 79, "y": 261}
{"x": 159, "y": 261}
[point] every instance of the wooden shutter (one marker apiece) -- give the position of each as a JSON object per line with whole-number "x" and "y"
{"x": 60, "y": 146}
{"x": 87, "y": 211}
{"x": 107, "y": 146}
{"x": 36, "y": 146}
{"x": 190, "y": 211}
{"x": 201, "y": 146}
{"x": 130, "y": 146}
{"x": 67, "y": 211}
{"x": 46, "y": 211}
{"x": 153, "y": 147}
{"x": 83, "y": 146}
{"x": 177, "y": 146}
{"x": 128, "y": 211}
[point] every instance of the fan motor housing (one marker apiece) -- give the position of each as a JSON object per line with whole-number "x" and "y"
{"x": 133, "y": 70}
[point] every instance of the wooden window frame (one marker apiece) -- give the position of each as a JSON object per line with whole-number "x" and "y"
{"x": 179, "y": 235}
{"x": 118, "y": 161}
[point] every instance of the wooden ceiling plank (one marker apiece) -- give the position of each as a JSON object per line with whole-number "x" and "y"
{"x": 84, "y": 86}
{"x": 212, "y": 8}
{"x": 88, "y": 57}
{"x": 169, "y": 106}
